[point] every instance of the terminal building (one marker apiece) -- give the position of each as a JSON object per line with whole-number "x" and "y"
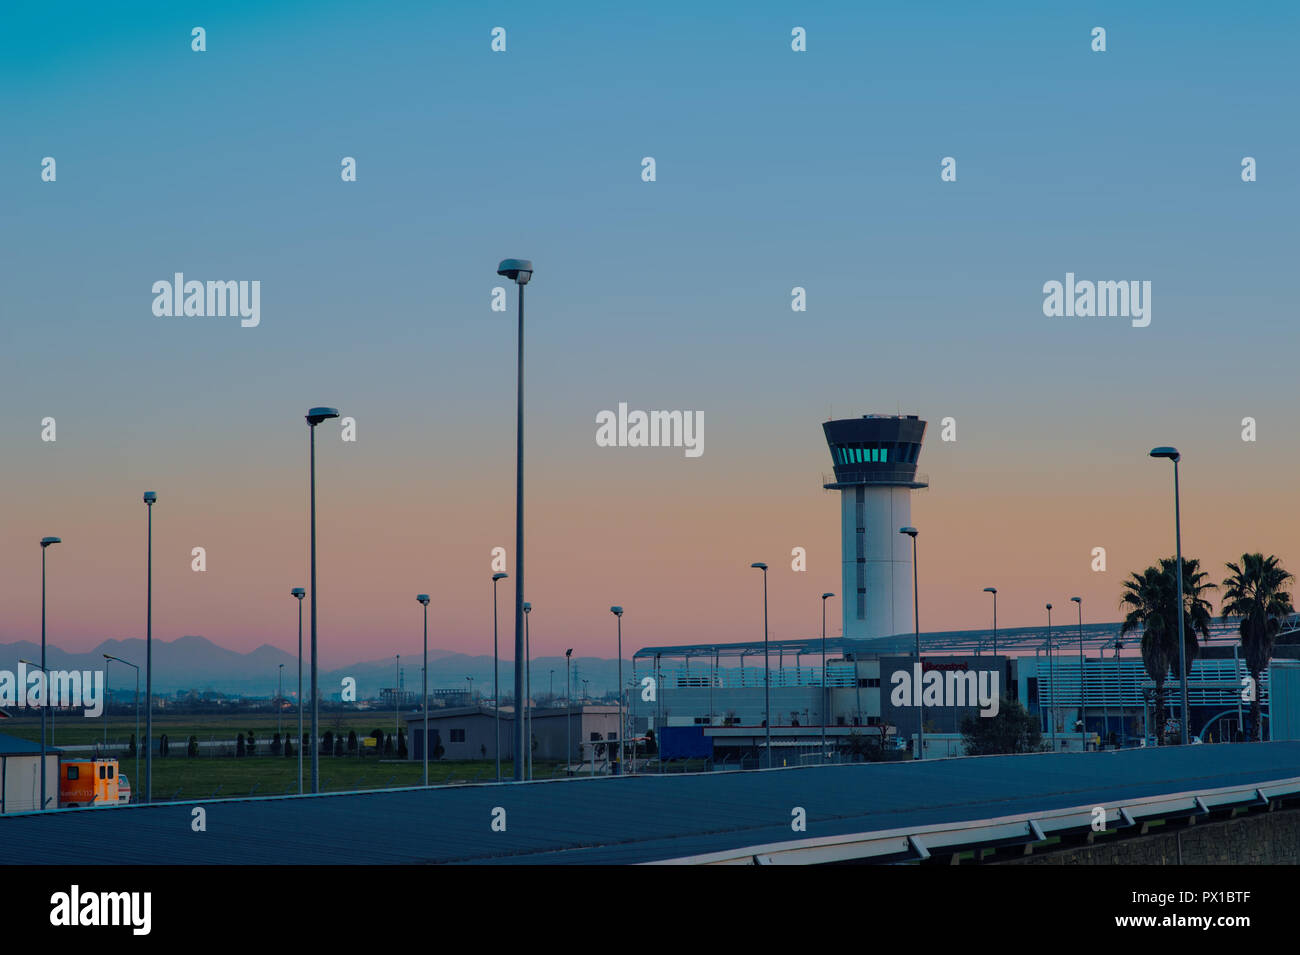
{"x": 710, "y": 698}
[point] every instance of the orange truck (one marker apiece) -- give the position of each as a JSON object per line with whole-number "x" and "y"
{"x": 88, "y": 782}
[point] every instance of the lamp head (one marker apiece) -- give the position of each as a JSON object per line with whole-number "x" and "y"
{"x": 909, "y": 531}
{"x": 520, "y": 270}
{"x": 423, "y": 598}
{"x": 528, "y": 608}
{"x": 760, "y": 565}
{"x": 150, "y": 497}
{"x": 47, "y": 541}
{"x": 990, "y": 590}
{"x": 827, "y": 594}
{"x": 316, "y": 415}
{"x": 569, "y": 652}
{"x": 499, "y": 575}
{"x": 1078, "y": 600}
{"x": 1049, "y": 606}
{"x": 616, "y": 611}
{"x": 298, "y": 592}
{"x": 1163, "y": 452}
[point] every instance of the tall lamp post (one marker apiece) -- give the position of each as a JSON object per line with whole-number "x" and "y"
{"x": 45, "y": 682}
{"x": 137, "y": 712}
{"x": 424, "y": 681}
{"x": 618, "y": 612}
{"x": 45, "y": 701}
{"x": 397, "y": 703}
{"x": 496, "y": 670}
{"x": 916, "y": 620}
{"x": 1083, "y": 699}
{"x": 1173, "y": 455}
{"x": 520, "y": 270}
{"x": 299, "y": 593}
{"x": 994, "y": 592}
{"x": 150, "y": 498}
{"x": 767, "y": 687}
{"x": 279, "y": 697}
{"x": 314, "y": 417}
{"x": 1051, "y": 679}
{"x": 568, "y": 714}
{"x": 825, "y": 689}
{"x": 528, "y": 685}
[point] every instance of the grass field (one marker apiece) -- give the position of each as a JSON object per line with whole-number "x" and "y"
{"x": 74, "y": 730}
{"x": 209, "y": 778}
{"x": 211, "y": 775}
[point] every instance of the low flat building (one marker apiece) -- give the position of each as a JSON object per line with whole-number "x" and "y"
{"x": 470, "y": 732}
{"x": 20, "y": 775}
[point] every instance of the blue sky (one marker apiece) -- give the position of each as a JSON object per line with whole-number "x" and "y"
{"x": 775, "y": 169}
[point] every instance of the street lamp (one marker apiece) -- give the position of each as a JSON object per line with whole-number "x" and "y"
{"x": 618, "y": 612}
{"x": 994, "y": 592}
{"x": 299, "y": 593}
{"x": 279, "y": 698}
{"x": 150, "y": 497}
{"x": 45, "y": 692}
{"x": 137, "y": 711}
{"x": 45, "y": 701}
{"x": 568, "y": 715}
{"x": 314, "y": 417}
{"x": 767, "y": 689}
{"x": 916, "y": 618}
{"x": 520, "y": 271}
{"x": 1051, "y": 679}
{"x": 1083, "y": 704}
{"x": 424, "y": 679}
{"x": 825, "y": 690}
{"x": 528, "y": 688}
{"x": 1173, "y": 455}
{"x": 397, "y": 703}
{"x": 496, "y": 670}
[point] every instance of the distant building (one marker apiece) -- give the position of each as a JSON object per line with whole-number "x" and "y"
{"x": 469, "y": 732}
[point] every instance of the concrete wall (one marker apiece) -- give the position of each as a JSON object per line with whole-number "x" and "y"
{"x": 1262, "y": 838}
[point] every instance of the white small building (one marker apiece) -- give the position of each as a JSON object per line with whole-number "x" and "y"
{"x": 20, "y": 775}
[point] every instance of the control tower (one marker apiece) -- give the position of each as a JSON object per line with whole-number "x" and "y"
{"x": 875, "y": 472}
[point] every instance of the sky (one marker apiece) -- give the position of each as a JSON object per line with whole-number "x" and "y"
{"x": 774, "y": 169}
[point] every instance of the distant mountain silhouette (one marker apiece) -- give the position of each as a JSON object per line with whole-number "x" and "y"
{"x": 193, "y": 662}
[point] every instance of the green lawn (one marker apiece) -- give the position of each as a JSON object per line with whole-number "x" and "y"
{"x": 74, "y": 730}
{"x": 224, "y": 777}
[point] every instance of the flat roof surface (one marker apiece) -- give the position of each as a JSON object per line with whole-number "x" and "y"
{"x": 633, "y": 818}
{"x": 14, "y": 746}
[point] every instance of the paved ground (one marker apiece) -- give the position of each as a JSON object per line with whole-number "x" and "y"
{"x": 629, "y": 819}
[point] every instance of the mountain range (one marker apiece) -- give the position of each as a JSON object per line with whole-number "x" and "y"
{"x": 196, "y": 663}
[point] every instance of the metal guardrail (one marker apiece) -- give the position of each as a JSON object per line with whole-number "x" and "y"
{"x": 906, "y": 476}
{"x": 913, "y": 845}
{"x": 680, "y": 678}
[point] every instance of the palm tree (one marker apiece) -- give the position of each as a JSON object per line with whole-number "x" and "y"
{"x": 1147, "y": 600}
{"x": 1255, "y": 593}
{"x": 1151, "y": 599}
